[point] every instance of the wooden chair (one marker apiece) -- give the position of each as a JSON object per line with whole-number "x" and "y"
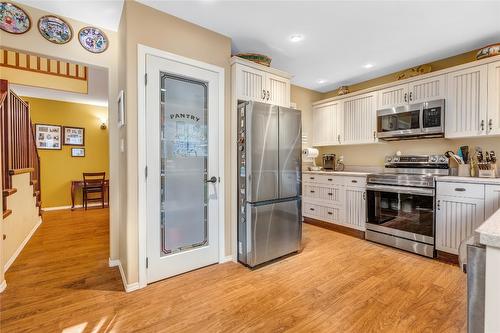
{"x": 93, "y": 183}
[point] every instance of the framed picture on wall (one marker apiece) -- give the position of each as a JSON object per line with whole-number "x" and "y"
{"x": 48, "y": 136}
{"x": 74, "y": 136}
{"x": 77, "y": 152}
{"x": 121, "y": 109}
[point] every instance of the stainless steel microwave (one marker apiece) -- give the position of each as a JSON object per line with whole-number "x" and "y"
{"x": 412, "y": 121}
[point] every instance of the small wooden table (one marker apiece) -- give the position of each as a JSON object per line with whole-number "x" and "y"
{"x": 78, "y": 184}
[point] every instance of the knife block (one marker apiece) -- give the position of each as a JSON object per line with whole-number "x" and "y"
{"x": 464, "y": 170}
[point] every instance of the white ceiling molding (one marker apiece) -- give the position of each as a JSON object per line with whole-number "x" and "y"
{"x": 341, "y": 37}
{"x": 100, "y": 13}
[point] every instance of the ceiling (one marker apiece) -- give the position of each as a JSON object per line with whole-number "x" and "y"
{"x": 101, "y": 13}
{"x": 339, "y": 37}
{"x": 97, "y": 90}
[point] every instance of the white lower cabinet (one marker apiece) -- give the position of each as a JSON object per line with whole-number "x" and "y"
{"x": 491, "y": 200}
{"x": 355, "y": 207}
{"x": 460, "y": 209}
{"x": 456, "y": 220}
{"x": 335, "y": 199}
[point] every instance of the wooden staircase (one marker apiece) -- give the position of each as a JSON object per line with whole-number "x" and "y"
{"x": 19, "y": 152}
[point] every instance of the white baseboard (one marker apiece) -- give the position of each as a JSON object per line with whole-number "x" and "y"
{"x": 3, "y": 285}
{"x": 113, "y": 262}
{"x": 46, "y": 209}
{"x": 227, "y": 259}
{"x": 21, "y": 247}
{"x": 128, "y": 286}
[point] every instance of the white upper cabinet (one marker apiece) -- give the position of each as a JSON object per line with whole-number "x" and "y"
{"x": 427, "y": 89}
{"x": 414, "y": 92}
{"x": 256, "y": 84}
{"x": 466, "y": 108}
{"x": 493, "y": 121}
{"x": 323, "y": 124}
{"x": 360, "y": 119}
{"x": 250, "y": 84}
{"x": 393, "y": 97}
{"x": 278, "y": 89}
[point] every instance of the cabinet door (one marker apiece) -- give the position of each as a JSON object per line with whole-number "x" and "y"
{"x": 279, "y": 90}
{"x": 355, "y": 207}
{"x": 427, "y": 89}
{"x": 492, "y": 200}
{"x": 466, "y": 100}
{"x": 456, "y": 220}
{"x": 360, "y": 119}
{"x": 392, "y": 97}
{"x": 322, "y": 125}
{"x": 338, "y": 123}
{"x": 251, "y": 84}
{"x": 494, "y": 98}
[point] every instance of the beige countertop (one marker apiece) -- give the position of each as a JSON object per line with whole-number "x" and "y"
{"x": 489, "y": 231}
{"x": 473, "y": 180}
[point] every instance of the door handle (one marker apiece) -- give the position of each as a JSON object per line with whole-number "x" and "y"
{"x": 439, "y": 204}
{"x": 268, "y": 95}
{"x": 490, "y": 124}
{"x": 482, "y": 125}
{"x": 406, "y": 97}
{"x": 213, "y": 179}
{"x": 411, "y": 97}
{"x": 263, "y": 94}
{"x": 364, "y": 195}
{"x": 338, "y": 137}
{"x": 460, "y": 189}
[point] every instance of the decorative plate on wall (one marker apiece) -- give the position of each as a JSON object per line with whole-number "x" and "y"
{"x": 13, "y": 19}
{"x": 55, "y": 29}
{"x": 93, "y": 39}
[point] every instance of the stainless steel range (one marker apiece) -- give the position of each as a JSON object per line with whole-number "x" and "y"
{"x": 400, "y": 202}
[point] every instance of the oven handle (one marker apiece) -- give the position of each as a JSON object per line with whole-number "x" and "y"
{"x": 401, "y": 189}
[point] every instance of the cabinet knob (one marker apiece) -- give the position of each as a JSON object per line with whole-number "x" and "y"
{"x": 439, "y": 204}
{"x": 330, "y": 213}
{"x": 482, "y": 125}
{"x": 460, "y": 189}
{"x": 411, "y": 97}
{"x": 311, "y": 208}
{"x": 312, "y": 191}
{"x": 330, "y": 179}
{"x": 490, "y": 124}
{"x": 263, "y": 94}
{"x": 354, "y": 181}
{"x": 332, "y": 193}
{"x": 406, "y": 97}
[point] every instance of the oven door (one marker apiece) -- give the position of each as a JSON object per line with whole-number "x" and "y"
{"x": 406, "y": 212}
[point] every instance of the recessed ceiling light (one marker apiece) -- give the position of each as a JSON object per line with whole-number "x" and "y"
{"x": 296, "y": 38}
{"x": 321, "y": 81}
{"x": 368, "y": 65}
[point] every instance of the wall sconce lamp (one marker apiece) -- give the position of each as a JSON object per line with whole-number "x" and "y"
{"x": 103, "y": 123}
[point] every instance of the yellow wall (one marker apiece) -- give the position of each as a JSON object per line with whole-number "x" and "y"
{"x": 435, "y": 66}
{"x": 58, "y": 168}
{"x": 303, "y": 98}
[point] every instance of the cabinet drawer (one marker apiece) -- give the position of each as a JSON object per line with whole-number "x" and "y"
{"x": 322, "y": 179}
{"x": 331, "y": 214}
{"x": 461, "y": 190}
{"x": 355, "y": 181}
{"x": 313, "y": 210}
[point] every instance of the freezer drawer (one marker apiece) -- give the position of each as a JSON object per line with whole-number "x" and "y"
{"x": 270, "y": 231}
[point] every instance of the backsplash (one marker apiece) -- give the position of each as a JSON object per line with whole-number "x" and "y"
{"x": 373, "y": 154}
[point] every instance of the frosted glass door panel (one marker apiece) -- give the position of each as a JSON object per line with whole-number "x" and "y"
{"x": 183, "y": 159}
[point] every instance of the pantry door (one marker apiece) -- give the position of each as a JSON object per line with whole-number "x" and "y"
{"x": 182, "y": 105}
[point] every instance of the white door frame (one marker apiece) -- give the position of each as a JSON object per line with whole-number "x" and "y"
{"x": 142, "y": 51}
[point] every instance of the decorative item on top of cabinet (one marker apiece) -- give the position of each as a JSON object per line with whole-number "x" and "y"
{"x": 14, "y": 19}
{"x": 415, "y": 71}
{"x": 343, "y": 90}
{"x": 260, "y": 59}
{"x": 493, "y": 119}
{"x": 254, "y": 82}
{"x": 360, "y": 119}
{"x": 488, "y": 51}
{"x": 466, "y": 112}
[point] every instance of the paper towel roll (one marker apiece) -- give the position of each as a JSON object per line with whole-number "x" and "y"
{"x": 310, "y": 153}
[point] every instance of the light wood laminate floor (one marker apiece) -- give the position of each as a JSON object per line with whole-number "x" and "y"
{"x": 61, "y": 283}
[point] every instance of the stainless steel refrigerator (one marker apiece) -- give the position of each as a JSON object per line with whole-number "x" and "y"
{"x": 269, "y": 182}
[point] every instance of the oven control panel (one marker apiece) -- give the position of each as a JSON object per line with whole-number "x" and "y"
{"x": 415, "y": 161}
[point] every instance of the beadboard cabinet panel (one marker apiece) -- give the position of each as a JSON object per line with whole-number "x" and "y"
{"x": 494, "y": 98}
{"x": 251, "y": 84}
{"x": 456, "y": 220}
{"x": 466, "y": 109}
{"x": 360, "y": 119}
{"x": 279, "y": 90}
{"x": 355, "y": 208}
{"x": 393, "y": 97}
{"x": 491, "y": 200}
{"x": 427, "y": 89}
{"x": 323, "y": 125}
